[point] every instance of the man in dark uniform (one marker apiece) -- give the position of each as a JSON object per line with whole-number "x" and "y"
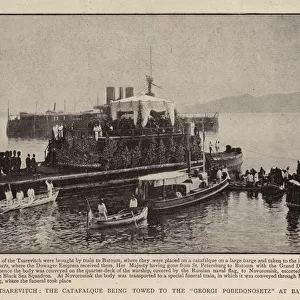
{"x": 13, "y": 162}
{"x": 33, "y": 164}
{"x": 298, "y": 167}
{"x": 18, "y": 162}
{"x": 28, "y": 165}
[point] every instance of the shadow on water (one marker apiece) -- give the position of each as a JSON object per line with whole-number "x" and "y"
{"x": 292, "y": 233}
{"x": 272, "y": 200}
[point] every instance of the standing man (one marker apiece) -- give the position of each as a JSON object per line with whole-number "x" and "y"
{"x": 96, "y": 130}
{"x": 210, "y": 147}
{"x": 28, "y": 164}
{"x": 49, "y": 187}
{"x": 33, "y": 164}
{"x": 18, "y": 162}
{"x": 13, "y": 162}
{"x": 60, "y": 131}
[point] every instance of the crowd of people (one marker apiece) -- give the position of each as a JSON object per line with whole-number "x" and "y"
{"x": 11, "y": 161}
{"x": 219, "y": 173}
{"x": 104, "y": 128}
{"x": 254, "y": 178}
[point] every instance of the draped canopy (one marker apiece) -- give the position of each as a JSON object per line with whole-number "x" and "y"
{"x": 164, "y": 178}
{"x": 148, "y": 103}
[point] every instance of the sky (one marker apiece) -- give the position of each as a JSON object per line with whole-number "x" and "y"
{"x": 195, "y": 58}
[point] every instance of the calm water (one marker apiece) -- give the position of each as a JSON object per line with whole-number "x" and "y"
{"x": 230, "y": 222}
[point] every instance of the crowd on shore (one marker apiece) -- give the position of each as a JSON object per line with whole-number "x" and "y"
{"x": 11, "y": 161}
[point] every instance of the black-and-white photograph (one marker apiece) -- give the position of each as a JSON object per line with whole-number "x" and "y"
{"x": 149, "y": 133}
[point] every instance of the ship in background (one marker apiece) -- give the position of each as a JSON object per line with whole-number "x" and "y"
{"x": 210, "y": 121}
{"x": 39, "y": 125}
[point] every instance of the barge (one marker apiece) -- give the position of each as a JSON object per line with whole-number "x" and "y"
{"x": 139, "y": 135}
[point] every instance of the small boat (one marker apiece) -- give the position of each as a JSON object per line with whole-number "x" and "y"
{"x": 293, "y": 194}
{"x": 242, "y": 186}
{"x": 273, "y": 190}
{"x": 168, "y": 190}
{"x": 39, "y": 200}
{"x": 124, "y": 217}
{"x": 26, "y": 203}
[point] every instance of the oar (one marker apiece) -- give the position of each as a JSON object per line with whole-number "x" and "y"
{"x": 87, "y": 216}
{"x": 134, "y": 220}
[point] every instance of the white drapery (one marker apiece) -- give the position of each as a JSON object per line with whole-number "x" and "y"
{"x": 164, "y": 178}
{"x": 148, "y": 103}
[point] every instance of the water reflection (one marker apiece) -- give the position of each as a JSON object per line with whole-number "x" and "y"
{"x": 228, "y": 222}
{"x": 292, "y": 233}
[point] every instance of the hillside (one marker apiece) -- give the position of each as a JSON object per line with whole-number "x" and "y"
{"x": 249, "y": 104}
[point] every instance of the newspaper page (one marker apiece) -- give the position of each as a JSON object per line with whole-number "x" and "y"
{"x": 93, "y": 202}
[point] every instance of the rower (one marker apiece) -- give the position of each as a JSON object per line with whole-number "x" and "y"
{"x": 133, "y": 202}
{"x": 9, "y": 197}
{"x": 30, "y": 194}
{"x": 102, "y": 209}
{"x": 20, "y": 196}
{"x": 49, "y": 187}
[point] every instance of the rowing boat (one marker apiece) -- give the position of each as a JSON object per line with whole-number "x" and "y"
{"x": 26, "y": 203}
{"x": 124, "y": 217}
{"x": 39, "y": 200}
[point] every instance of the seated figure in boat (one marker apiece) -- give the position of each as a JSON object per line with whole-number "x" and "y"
{"x": 49, "y": 187}
{"x": 203, "y": 176}
{"x": 178, "y": 195}
{"x": 20, "y": 196}
{"x": 250, "y": 180}
{"x": 30, "y": 194}
{"x": 102, "y": 209}
{"x": 219, "y": 175}
{"x": 225, "y": 173}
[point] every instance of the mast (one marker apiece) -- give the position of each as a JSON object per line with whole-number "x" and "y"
{"x": 8, "y": 111}
{"x": 203, "y": 144}
{"x": 150, "y": 61}
{"x": 150, "y": 78}
{"x": 34, "y": 119}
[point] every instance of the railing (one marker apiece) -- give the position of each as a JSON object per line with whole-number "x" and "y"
{"x": 200, "y": 115}
{"x": 128, "y": 132}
